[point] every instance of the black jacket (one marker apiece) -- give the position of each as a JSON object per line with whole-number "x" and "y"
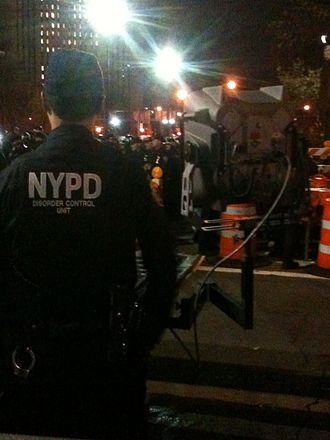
{"x": 71, "y": 215}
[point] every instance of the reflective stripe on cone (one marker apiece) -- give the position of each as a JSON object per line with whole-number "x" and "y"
{"x": 323, "y": 257}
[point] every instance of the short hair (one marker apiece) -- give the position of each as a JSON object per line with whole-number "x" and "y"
{"x": 74, "y": 87}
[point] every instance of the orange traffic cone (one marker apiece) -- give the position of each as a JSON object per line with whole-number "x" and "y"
{"x": 323, "y": 257}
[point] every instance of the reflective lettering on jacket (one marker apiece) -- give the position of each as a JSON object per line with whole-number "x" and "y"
{"x": 47, "y": 185}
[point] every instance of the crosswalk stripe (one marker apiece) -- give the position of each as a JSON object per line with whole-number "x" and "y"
{"x": 263, "y": 272}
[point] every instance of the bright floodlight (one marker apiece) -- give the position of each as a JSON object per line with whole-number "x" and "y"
{"x": 324, "y": 39}
{"x": 108, "y": 17}
{"x": 168, "y": 64}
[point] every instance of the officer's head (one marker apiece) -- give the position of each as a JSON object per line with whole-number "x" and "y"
{"x": 73, "y": 87}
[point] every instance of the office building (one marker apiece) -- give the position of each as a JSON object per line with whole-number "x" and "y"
{"x": 32, "y": 29}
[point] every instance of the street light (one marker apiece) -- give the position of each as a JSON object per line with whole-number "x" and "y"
{"x": 231, "y": 84}
{"x": 181, "y": 94}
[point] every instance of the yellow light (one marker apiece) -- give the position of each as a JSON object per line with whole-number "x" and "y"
{"x": 157, "y": 173}
{"x": 98, "y": 130}
{"x": 182, "y": 94}
{"x": 159, "y": 108}
{"x": 231, "y": 84}
{"x": 307, "y": 107}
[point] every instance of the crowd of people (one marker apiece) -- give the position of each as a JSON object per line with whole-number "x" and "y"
{"x": 16, "y": 142}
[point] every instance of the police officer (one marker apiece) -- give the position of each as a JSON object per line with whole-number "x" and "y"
{"x": 165, "y": 171}
{"x": 72, "y": 214}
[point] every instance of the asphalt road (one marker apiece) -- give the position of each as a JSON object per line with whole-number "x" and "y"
{"x": 217, "y": 380}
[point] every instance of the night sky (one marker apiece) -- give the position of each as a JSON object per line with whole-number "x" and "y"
{"x": 222, "y": 35}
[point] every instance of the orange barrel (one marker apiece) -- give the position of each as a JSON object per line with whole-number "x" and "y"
{"x": 323, "y": 193}
{"x": 230, "y": 239}
{"x": 323, "y": 256}
{"x": 319, "y": 181}
{"x": 319, "y": 189}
